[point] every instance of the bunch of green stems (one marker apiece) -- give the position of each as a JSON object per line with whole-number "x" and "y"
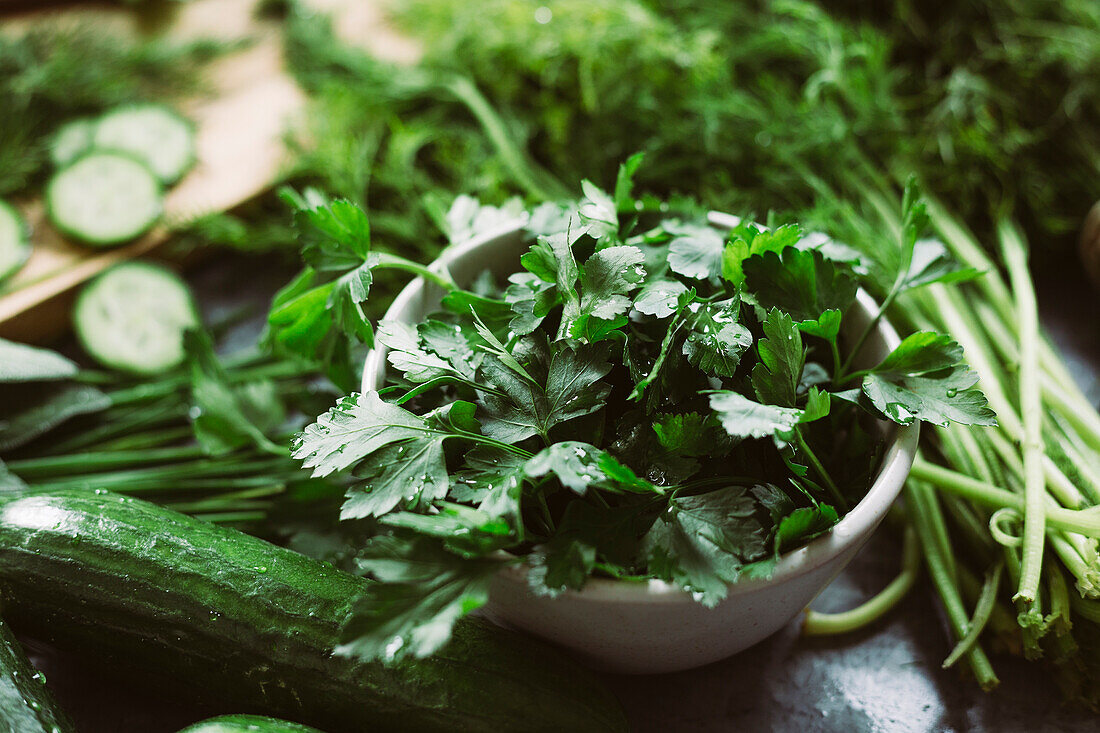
{"x": 143, "y": 445}
{"x": 1006, "y": 519}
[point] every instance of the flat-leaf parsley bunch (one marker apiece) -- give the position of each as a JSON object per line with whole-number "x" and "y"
{"x": 647, "y": 396}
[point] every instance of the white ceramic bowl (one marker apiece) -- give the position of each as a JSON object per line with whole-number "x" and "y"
{"x": 655, "y": 626}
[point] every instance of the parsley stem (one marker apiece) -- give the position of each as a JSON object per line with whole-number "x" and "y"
{"x": 820, "y": 471}
{"x": 817, "y": 623}
{"x": 836, "y": 361}
{"x": 983, "y": 610}
{"x": 869, "y": 328}
{"x": 921, "y": 502}
{"x": 1081, "y": 521}
{"x": 513, "y": 449}
{"x": 394, "y": 262}
{"x": 1031, "y": 410}
{"x": 545, "y": 509}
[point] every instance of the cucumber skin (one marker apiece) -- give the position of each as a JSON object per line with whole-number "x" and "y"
{"x": 246, "y": 724}
{"x": 254, "y": 624}
{"x": 26, "y": 706}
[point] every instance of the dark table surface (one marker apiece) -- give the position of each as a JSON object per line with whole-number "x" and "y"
{"x": 887, "y": 678}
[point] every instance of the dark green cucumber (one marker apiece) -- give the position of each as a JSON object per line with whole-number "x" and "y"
{"x": 247, "y": 724}
{"x": 25, "y": 704}
{"x": 255, "y": 624}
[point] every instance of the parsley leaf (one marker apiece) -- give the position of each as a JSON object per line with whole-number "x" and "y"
{"x": 660, "y": 298}
{"x": 422, "y": 591}
{"x": 579, "y": 465}
{"x": 357, "y": 426}
{"x": 702, "y": 541}
{"x": 695, "y": 250}
{"x": 800, "y": 282}
{"x": 775, "y": 378}
{"x": 406, "y": 355}
{"x": 531, "y": 299}
{"x": 224, "y": 416}
{"x": 802, "y": 525}
{"x": 607, "y": 277}
{"x": 598, "y": 212}
{"x": 924, "y": 379}
{"x": 931, "y": 263}
{"x": 716, "y": 340}
{"x": 743, "y": 418}
{"x": 528, "y": 407}
{"x": 688, "y": 434}
{"x": 749, "y": 240}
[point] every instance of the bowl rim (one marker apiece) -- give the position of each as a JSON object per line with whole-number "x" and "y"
{"x": 847, "y": 534}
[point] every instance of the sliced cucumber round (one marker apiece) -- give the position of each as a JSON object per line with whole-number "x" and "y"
{"x": 15, "y": 245}
{"x": 104, "y": 198}
{"x": 152, "y": 132}
{"x": 133, "y": 317}
{"x": 71, "y": 141}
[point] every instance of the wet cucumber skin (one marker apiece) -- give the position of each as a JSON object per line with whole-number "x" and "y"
{"x": 247, "y": 724}
{"x": 253, "y": 625}
{"x": 26, "y": 706}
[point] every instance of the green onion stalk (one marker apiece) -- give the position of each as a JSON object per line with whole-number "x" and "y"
{"x": 144, "y": 444}
{"x": 1006, "y": 519}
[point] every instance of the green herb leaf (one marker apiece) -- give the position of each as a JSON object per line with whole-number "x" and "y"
{"x": 22, "y": 363}
{"x": 695, "y": 250}
{"x": 607, "y": 277}
{"x": 826, "y": 326}
{"x": 357, "y": 426}
{"x": 688, "y": 434}
{"x": 775, "y": 378}
{"x": 802, "y": 525}
{"x": 571, "y": 389}
{"x": 598, "y": 212}
{"x": 422, "y": 590}
{"x": 749, "y": 240}
{"x": 924, "y": 379}
{"x": 32, "y": 411}
{"x": 226, "y": 417}
{"x": 531, "y": 299}
{"x": 702, "y": 541}
{"x": 716, "y": 340}
{"x": 406, "y": 355}
{"x": 800, "y": 282}
{"x": 743, "y": 418}
{"x": 660, "y": 298}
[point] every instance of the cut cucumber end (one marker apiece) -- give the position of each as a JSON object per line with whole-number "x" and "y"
{"x": 15, "y": 245}
{"x": 133, "y": 317}
{"x": 152, "y": 132}
{"x": 104, "y": 198}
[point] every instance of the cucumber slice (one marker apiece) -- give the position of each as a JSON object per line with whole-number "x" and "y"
{"x": 133, "y": 316}
{"x": 72, "y": 140}
{"x": 104, "y": 198}
{"x": 15, "y": 245}
{"x": 152, "y": 132}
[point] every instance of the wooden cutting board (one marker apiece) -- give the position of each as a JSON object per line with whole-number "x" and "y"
{"x": 241, "y": 120}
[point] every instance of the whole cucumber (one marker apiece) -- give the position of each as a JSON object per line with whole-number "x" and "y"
{"x": 254, "y": 625}
{"x": 246, "y": 724}
{"x": 26, "y": 706}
